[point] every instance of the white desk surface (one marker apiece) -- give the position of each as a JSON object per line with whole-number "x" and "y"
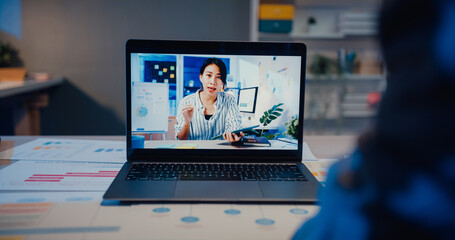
{"x": 322, "y": 146}
{"x": 83, "y": 214}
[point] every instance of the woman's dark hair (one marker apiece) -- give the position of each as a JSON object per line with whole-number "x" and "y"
{"x": 218, "y": 62}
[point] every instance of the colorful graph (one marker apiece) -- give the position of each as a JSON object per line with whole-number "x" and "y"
{"x": 141, "y": 111}
{"x": 28, "y": 215}
{"x": 319, "y": 173}
{"x": 20, "y": 220}
{"x": 161, "y": 210}
{"x": 60, "y": 177}
{"x": 265, "y": 221}
{"x": 16, "y": 210}
{"x": 232, "y": 212}
{"x": 53, "y": 146}
{"x": 298, "y": 211}
{"x": 71, "y": 150}
{"x": 108, "y": 150}
{"x": 190, "y": 218}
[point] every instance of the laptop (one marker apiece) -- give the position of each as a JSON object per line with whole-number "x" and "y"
{"x": 182, "y": 95}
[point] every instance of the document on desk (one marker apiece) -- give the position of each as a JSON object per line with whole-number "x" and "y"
{"x": 91, "y": 220}
{"x": 50, "y": 220}
{"x": 71, "y": 150}
{"x": 58, "y": 175}
{"x": 320, "y": 168}
{"x": 46, "y": 196}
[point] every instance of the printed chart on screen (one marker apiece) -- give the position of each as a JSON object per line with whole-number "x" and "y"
{"x": 150, "y": 107}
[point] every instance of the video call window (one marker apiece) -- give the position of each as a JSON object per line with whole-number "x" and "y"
{"x": 163, "y": 85}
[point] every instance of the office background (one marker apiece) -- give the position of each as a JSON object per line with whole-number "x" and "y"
{"x": 83, "y": 41}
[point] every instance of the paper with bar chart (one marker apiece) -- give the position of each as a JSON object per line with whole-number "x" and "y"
{"x": 50, "y": 220}
{"x": 38, "y": 217}
{"x": 58, "y": 175}
{"x": 71, "y": 150}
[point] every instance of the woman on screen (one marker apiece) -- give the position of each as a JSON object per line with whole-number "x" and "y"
{"x": 210, "y": 111}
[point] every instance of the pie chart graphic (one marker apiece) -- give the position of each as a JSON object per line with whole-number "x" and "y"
{"x": 141, "y": 111}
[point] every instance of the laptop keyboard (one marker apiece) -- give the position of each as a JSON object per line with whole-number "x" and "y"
{"x": 214, "y": 172}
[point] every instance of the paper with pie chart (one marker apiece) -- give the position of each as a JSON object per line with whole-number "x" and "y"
{"x": 150, "y": 107}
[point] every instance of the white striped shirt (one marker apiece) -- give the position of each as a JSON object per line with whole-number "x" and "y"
{"x": 225, "y": 119}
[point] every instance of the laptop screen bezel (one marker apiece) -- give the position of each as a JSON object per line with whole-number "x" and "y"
{"x": 215, "y": 48}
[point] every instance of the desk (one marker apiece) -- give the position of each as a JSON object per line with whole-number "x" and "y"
{"x": 83, "y": 215}
{"x": 23, "y": 99}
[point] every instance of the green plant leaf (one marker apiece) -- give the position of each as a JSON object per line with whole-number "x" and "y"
{"x": 276, "y": 111}
{"x": 270, "y": 115}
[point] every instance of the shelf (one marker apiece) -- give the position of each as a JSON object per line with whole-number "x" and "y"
{"x": 317, "y": 36}
{"x": 297, "y": 36}
{"x": 350, "y": 20}
{"x": 349, "y": 77}
{"x": 338, "y": 3}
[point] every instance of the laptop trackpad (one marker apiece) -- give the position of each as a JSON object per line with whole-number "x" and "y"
{"x": 228, "y": 190}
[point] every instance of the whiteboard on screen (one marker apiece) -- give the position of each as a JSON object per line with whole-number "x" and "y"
{"x": 149, "y": 107}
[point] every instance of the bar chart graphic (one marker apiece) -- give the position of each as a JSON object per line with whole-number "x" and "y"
{"x": 71, "y": 150}
{"x": 60, "y": 177}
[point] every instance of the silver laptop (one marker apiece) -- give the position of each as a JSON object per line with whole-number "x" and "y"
{"x": 214, "y": 122}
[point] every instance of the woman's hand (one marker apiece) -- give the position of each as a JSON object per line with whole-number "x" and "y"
{"x": 232, "y": 137}
{"x": 188, "y": 113}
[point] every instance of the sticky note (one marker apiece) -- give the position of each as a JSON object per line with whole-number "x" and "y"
{"x": 187, "y": 146}
{"x": 172, "y": 75}
{"x": 172, "y": 68}
{"x": 157, "y": 66}
{"x": 165, "y": 70}
{"x": 160, "y": 73}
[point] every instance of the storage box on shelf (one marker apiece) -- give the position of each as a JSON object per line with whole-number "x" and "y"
{"x": 275, "y": 18}
{"x": 320, "y": 19}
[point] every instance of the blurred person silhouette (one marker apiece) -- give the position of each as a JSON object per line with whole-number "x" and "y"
{"x": 400, "y": 181}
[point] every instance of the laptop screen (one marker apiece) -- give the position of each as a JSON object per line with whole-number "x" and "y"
{"x": 214, "y": 101}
